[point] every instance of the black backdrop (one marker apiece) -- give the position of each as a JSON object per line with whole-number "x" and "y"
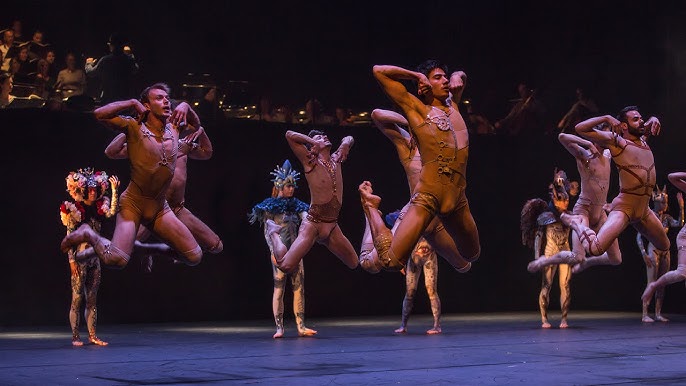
{"x": 42, "y": 146}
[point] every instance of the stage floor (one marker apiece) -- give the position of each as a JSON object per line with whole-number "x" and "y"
{"x": 492, "y": 349}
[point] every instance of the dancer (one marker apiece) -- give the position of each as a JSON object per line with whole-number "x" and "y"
{"x": 543, "y": 231}
{"x": 325, "y": 180}
{"x": 677, "y": 179}
{"x": 90, "y": 206}
{"x": 196, "y": 145}
{"x": 442, "y": 139}
{"x": 392, "y": 124}
{"x": 593, "y": 163}
{"x": 634, "y": 160}
{"x": 289, "y": 212}
{"x": 657, "y": 264}
{"x": 423, "y": 259}
{"x": 152, "y": 145}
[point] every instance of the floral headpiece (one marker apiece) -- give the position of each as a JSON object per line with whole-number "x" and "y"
{"x": 285, "y": 175}
{"x": 78, "y": 183}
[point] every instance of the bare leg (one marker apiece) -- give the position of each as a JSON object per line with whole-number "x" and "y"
{"x": 277, "y": 300}
{"x": 565, "y": 274}
{"x": 93, "y": 276}
{"x": 563, "y": 257}
{"x": 431, "y": 283}
{"x": 651, "y": 276}
{"x": 412, "y": 273}
{"x": 670, "y": 277}
{"x": 544, "y": 294}
{"x": 298, "y": 285}
{"x": 596, "y": 244}
{"x": 369, "y": 259}
{"x": 663, "y": 263}
{"x": 394, "y": 249}
{"x": 76, "y": 300}
{"x": 288, "y": 259}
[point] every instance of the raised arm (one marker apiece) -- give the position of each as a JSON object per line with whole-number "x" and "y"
{"x": 341, "y": 154}
{"x": 200, "y": 144}
{"x": 580, "y": 148}
{"x": 108, "y": 114}
{"x": 301, "y": 145}
{"x": 458, "y": 82}
{"x": 117, "y": 148}
{"x": 389, "y": 78}
{"x": 391, "y": 125}
{"x": 589, "y": 130}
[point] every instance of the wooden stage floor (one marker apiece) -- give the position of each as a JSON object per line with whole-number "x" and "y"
{"x": 599, "y": 348}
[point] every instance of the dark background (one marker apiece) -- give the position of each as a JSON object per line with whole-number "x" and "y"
{"x": 628, "y": 53}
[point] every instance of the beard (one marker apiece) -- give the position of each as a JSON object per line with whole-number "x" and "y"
{"x": 637, "y": 131}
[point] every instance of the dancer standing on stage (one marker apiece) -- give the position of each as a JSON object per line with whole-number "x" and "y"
{"x": 658, "y": 262}
{"x": 90, "y": 206}
{"x": 289, "y": 212}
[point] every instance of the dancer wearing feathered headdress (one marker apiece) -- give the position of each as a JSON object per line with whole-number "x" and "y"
{"x": 543, "y": 231}
{"x": 90, "y": 206}
{"x": 286, "y": 210}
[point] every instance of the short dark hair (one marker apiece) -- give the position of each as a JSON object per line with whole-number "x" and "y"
{"x": 145, "y": 94}
{"x": 314, "y": 132}
{"x": 621, "y": 116}
{"x": 428, "y": 65}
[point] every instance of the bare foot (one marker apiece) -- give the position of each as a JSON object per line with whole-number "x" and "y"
{"x": 272, "y": 227}
{"x": 278, "y": 334}
{"x": 563, "y": 324}
{"x": 306, "y": 332}
{"x": 647, "y": 319}
{"x": 661, "y": 318}
{"x": 401, "y": 330}
{"x": 77, "y": 342}
{"x": 434, "y": 331}
{"x": 96, "y": 341}
{"x": 76, "y": 237}
{"x": 370, "y": 262}
{"x": 369, "y": 200}
{"x": 545, "y": 325}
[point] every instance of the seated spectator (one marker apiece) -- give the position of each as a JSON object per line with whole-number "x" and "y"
{"x": 37, "y": 47}
{"x": 6, "y": 98}
{"x": 45, "y": 78}
{"x": 72, "y": 79}
{"x": 22, "y": 69}
{"x": 315, "y": 114}
{"x": 7, "y": 49}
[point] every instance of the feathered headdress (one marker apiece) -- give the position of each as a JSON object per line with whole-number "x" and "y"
{"x": 79, "y": 181}
{"x": 285, "y": 175}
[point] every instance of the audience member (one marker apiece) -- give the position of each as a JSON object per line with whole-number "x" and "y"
{"x": 6, "y": 97}
{"x": 22, "y": 69}
{"x": 72, "y": 79}
{"x": 8, "y": 49}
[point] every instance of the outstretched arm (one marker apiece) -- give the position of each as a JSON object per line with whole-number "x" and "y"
{"x": 117, "y": 148}
{"x": 391, "y": 125}
{"x": 580, "y": 148}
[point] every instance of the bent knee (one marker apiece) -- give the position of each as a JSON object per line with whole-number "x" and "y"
{"x": 194, "y": 256}
{"x": 474, "y": 257}
{"x": 216, "y": 248}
